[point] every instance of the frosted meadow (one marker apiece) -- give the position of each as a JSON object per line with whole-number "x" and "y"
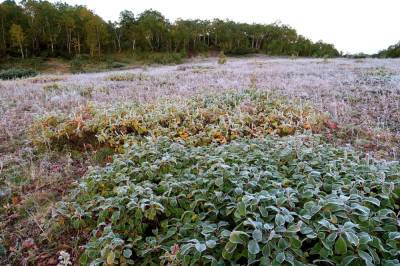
{"x": 58, "y": 131}
{"x": 357, "y": 94}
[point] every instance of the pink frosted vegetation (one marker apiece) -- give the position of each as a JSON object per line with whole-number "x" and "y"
{"x": 356, "y": 93}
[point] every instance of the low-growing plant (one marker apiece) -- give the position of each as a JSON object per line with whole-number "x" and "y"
{"x": 103, "y": 155}
{"x": 86, "y": 92}
{"x": 288, "y": 201}
{"x": 199, "y": 121}
{"x": 46, "y": 79}
{"x": 127, "y": 77}
{"x": 117, "y": 65}
{"x": 161, "y": 58}
{"x": 51, "y": 87}
{"x": 222, "y": 58}
{"x": 77, "y": 64}
{"x": 15, "y": 73}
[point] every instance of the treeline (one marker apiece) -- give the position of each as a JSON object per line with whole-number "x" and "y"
{"x": 392, "y": 51}
{"x": 40, "y": 28}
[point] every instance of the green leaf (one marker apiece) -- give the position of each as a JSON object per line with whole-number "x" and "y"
{"x": 366, "y": 257}
{"x": 394, "y": 235}
{"x": 230, "y": 247}
{"x": 295, "y": 243}
{"x": 340, "y": 246}
{"x": 257, "y": 235}
{"x": 373, "y": 201}
{"x": 362, "y": 209}
{"x": 327, "y": 224}
{"x": 241, "y": 209}
{"x": 264, "y": 261}
{"x": 280, "y": 219}
{"x": 127, "y": 253}
{"x": 280, "y": 257}
{"x": 253, "y": 247}
{"x": 364, "y": 238}
{"x": 352, "y": 238}
{"x": 283, "y": 244}
{"x": 236, "y": 237}
{"x": 219, "y": 182}
{"x": 331, "y": 239}
{"x": 200, "y": 247}
{"x": 347, "y": 260}
{"x": 211, "y": 243}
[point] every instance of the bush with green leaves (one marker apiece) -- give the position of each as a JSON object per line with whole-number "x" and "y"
{"x": 198, "y": 120}
{"x": 270, "y": 201}
{"x": 77, "y": 64}
{"x": 161, "y": 58}
{"x": 15, "y": 73}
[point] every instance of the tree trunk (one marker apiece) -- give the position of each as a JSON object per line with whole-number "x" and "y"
{"x": 118, "y": 38}
{"x": 69, "y": 40}
{"x": 176, "y": 46}
{"x": 133, "y": 45}
{"x": 4, "y": 34}
{"x": 98, "y": 42}
{"x": 148, "y": 38}
{"x": 22, "y": 50}
{"x": 79, "y": 45}
{"x": 52, "y": 46}
{"x": 119, "y": 45}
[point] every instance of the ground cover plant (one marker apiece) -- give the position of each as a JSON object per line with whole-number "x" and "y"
{"x": 15, "y": 73}
{"x": 290, "y": 201}
{"x": 57, "y": 130}
{"x": 198, "y": 121}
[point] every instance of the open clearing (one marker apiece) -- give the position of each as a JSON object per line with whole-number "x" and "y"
{"x": 262, "y": 160}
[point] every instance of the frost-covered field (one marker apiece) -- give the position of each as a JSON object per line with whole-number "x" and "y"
{"x": 352, "y": 102}
{"x": 356, "y": 93}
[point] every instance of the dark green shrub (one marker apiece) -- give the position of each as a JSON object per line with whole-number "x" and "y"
{"x": 161, "y": 58}
{"x": 113, "y": 64}
{"x": 76, "y": 64}
{"x": 288, "y": 201}
{"x": 241, "y": 51}
{"x": 15, "y": 73}
{"x": 117, "y": 65}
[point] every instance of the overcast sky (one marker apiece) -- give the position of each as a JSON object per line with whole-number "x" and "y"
{"x": 351, "y": 25}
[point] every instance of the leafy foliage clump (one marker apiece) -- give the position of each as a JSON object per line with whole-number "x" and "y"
{"x": 271, "y": 201}
{"x": 222, "y": 58}
{"x": 15, "y": 73}
{"x": 127, "y": 77}
{"x": 160, "y": 58}
{"x": 198, "y": 121}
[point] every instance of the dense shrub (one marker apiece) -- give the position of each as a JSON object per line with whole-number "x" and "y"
{"x": 76, "y": 64}
{"x": 15, "y": 73}
{"x": 127, "y": 77}
{"x": 287, "y": 201}
{"x": 241, "y": 51}
{"x": 160, "y": 58}
{"x": 116, "y": 65}
{"x": 198, "y": 121}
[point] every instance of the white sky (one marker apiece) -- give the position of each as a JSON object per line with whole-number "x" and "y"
{"x": 351, "y": 25}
